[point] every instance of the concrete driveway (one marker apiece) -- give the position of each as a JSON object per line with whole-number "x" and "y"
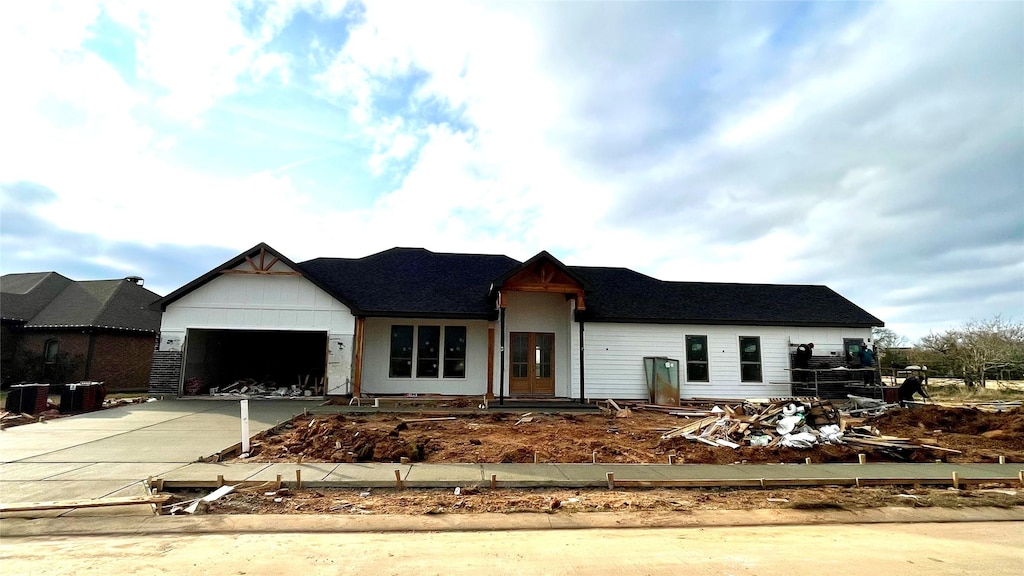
{"x": 109, "y": 452}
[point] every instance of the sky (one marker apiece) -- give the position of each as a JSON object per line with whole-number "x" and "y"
{"x": 876, "y": 148}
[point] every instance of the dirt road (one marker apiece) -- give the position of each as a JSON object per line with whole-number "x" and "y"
{"x": 852, "y": 550}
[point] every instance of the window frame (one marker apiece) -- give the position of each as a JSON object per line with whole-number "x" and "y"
{"x": 706, "y": 362}
{"x": 442, "y": 358}
{"x": 746, "y": 363}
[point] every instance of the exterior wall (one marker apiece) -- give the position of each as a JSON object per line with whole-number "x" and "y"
{"x": 614, "y": 357}
{"x": 377, "y": 357}
{"x": 74, "y": 343}
{"x": 166, "y": 373}
{"x": 265, "y": 302}
{"x": 122, "y": 361}
{"x": 538, "y": 312}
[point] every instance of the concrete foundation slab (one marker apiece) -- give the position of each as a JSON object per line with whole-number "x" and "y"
{"x": 441, "y": 475}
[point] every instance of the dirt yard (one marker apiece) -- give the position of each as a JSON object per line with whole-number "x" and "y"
{"x": 472, "y": 500}
{"x": 574, "y": 438}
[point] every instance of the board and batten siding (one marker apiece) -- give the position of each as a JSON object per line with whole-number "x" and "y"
{"x": 265, "y": 302}
{"x": 377, "y": 360}
{"x": 615, "y": 369}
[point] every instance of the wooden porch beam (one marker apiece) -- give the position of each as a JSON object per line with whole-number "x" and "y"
{"x": 357, "y": 374}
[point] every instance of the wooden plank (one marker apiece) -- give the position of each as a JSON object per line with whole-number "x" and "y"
{"x": 357, "y": 375}
{"x": 415, "y": 420}
{"x": 93, "y": 503}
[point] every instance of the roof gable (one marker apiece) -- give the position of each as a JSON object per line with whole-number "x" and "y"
{"x": 542, "y": 273}
{"x": 260, "y": 259}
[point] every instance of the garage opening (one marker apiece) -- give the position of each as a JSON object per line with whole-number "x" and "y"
{"x": 273, "y": 359}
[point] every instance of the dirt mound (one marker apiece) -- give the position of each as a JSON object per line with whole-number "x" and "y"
{"x": 953, "y": 420}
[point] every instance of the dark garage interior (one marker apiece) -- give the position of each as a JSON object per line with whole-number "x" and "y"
{"x": 218, "y": 358}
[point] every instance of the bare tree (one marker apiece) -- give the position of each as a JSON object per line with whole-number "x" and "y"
{"x": 979, "y": 347}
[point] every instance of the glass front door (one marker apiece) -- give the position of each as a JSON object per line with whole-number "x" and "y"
{"x": 533, "y": 364}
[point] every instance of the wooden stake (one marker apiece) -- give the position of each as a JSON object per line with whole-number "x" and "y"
{"x": 862, "y": 458}
{"x": 403, "y": 460}
{"x": 220, "y": 480}
{"x": 1002, "y": 459}
{"x": 1020, "y": 476}
{"x": 857, "y": 481}
{"x": 938, "y": 460}
{"x": 594, "y": 456}
{"x": 611, "y": 480}
{"x": 807, "y": 460}
{"x": 671, "y": 458}
{"x": 277, "y": 483}
{"x": 398, "y": 479}
{"x": 956, "y": 480}
{"x": 494, "y": 481}
{"x": 534, "y": 457}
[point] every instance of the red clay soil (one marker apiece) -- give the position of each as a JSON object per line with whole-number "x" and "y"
{"x": 569, "y": 438}
{"x": 981, "y": 436}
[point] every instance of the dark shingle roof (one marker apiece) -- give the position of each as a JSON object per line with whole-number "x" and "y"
{"x": 120, "y": 304}
{"x": 413, "y": 282}
{"x": 22, "y": 296}
{"x": 623, "y": 295}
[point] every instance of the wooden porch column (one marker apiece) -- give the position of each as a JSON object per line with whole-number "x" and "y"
{"x": 357, "y": 376}
{"x": 490, "y": 362}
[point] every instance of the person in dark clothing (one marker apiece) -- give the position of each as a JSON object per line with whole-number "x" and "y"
{"x": 802, "y": 360}
{"x": 911, "y": 386}
{"x": 867, "y": 360}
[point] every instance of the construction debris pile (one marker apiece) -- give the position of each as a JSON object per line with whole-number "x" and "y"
{"x": 798, "y": 424}
{"x": 249, "y": 387}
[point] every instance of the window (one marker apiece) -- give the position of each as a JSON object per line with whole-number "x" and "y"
{"x": 50, "y": 351}
{"x": 426, "y": 354}
{"x": 454, "y": 351}
{"x": 750, "y": 359}
{"x": 697, "y": 359}
{"x": 401, "y": 352}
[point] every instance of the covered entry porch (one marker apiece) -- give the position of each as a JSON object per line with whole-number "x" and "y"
{"x": 537, "y": 303}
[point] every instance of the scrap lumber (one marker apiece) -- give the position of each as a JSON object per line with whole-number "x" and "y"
{"x": 90, "y": 503}
{"x": 415, "y": 420}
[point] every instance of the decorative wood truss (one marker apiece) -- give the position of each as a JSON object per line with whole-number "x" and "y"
{"x": 543, "y": 275}
{"x": 260, "y": 264}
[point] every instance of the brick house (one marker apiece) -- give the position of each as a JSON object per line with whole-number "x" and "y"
{"x": 59, "y": 330}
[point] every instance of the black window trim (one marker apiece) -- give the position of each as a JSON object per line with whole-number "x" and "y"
{"x": 706, "y": 362}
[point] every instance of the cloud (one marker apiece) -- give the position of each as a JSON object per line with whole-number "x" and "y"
{"x": 774, "y": 142}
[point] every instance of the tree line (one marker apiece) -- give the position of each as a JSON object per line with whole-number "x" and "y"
{"x": 977, "y": 351}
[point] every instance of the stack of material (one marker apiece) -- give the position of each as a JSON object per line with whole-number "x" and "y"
{"x": 794, "y": 424}
{"x": 27, "y": 398}
{"x": 897, "y": 448}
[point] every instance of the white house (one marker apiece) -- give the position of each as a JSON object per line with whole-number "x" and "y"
{"x": 408, "y": 320}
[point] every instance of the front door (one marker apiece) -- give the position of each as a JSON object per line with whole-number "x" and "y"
{"x": 533, "y": 364}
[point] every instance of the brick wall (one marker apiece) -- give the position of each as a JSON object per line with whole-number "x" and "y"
{"x": 166, "y": 373}
{"x": 122, "y": 360}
